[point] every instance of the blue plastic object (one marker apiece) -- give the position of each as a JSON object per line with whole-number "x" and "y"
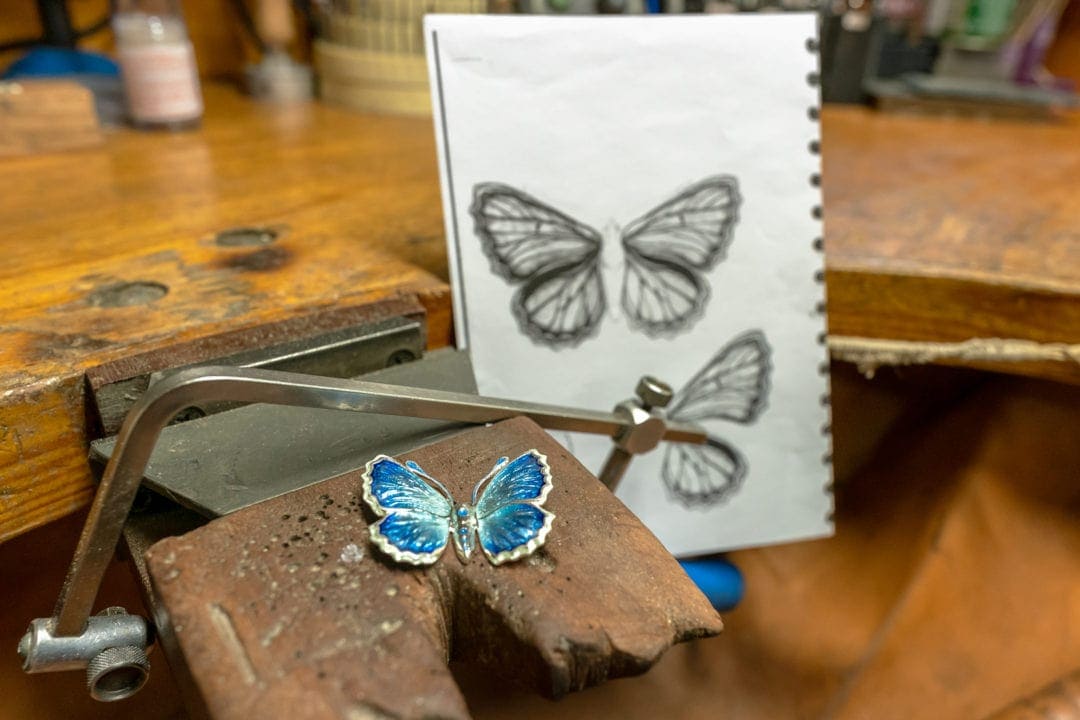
{"x": 57, "y": 62}
{"x": 721, "y": 581}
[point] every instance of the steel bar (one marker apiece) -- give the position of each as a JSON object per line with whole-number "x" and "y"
{"x": 143, "y": 425}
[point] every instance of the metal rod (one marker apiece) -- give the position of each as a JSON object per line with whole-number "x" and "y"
{"x": 618, "y": 460}
{"x": 139, "y": 433}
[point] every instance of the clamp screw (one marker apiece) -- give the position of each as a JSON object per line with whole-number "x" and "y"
{"x": 653, "y": 393}
{"x": 117, "y": 673}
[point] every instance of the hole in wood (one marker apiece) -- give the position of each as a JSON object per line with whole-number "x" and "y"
{"x": 246, "y": 237}
{"x": 128, "y": 294}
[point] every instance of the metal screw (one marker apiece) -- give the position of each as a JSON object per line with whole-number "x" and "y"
{"x": 117, "y": 673}
{"x": 644, "y": 432}
{"x": 191, "y": 412}
{"x": 653, "y": 393}
{"x": 24, "y": 647}
{"x": 400, "y": 357}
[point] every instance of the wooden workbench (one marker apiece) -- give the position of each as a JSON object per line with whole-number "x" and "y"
{"x": 941, "y": 231}
{"x": 111, "y": 254}
{"x": 938, "y": 232}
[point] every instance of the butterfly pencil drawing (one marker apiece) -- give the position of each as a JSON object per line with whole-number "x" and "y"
{"x": 733, "y": 386}
{"x": 554, "y": 260}
{"x": 417, "y": 514}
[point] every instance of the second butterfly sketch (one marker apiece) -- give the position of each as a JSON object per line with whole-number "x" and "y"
{"x": 555, "y": 260}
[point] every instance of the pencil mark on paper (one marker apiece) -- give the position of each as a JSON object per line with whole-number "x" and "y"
{"x": 554, "y": 260}
{"x": 734, "y": 386}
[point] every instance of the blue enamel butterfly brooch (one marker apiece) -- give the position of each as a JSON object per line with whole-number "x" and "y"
{"x": 417, "y": 514}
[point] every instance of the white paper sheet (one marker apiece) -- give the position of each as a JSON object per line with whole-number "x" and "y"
{"x": 555, "y": 135}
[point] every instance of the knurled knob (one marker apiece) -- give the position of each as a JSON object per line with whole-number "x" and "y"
{"x": 117, "y": 673}
{"x": 653, "y": 393}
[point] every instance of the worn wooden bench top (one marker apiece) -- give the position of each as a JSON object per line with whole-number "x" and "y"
{"x": 942, "y": 230}
{"x": 937, "y": 230}
{"x": 111, "y": 253}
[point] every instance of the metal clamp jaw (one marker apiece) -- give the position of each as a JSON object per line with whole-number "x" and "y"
{"x": 644, "y": 429}
{"x": 113, "y": 646}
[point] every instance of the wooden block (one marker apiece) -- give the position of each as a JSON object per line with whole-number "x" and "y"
{"x": 42, "y": 116}
{"x": 276, "y": 617}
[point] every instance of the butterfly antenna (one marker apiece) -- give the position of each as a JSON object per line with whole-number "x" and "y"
{"x": 503, "y": 461}
{"x": 435, "y": 483}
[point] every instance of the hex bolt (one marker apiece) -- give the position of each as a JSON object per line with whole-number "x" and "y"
{"x": 643, "y": 434}
{"x": 117, "y": 673}
{"x": 24, "y": 647}
{"x": 653, "y": 393}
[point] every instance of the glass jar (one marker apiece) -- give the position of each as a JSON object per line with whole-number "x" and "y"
{"x": 157, "y": 62}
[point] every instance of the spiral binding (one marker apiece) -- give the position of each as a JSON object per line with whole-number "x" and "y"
{"x": 813, "y": 79}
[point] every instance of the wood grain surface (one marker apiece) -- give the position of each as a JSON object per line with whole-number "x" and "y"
{"x": 937, "y": 230}
{"x": 111, "y": 254}
{"x": 945, "y": 230}
{"x": 285, "y": 609}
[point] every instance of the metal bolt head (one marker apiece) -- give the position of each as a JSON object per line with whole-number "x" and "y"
{"x": 117, "y": 673}
{"x": 653, "y": 393}
{"x": 24, "y": 645}
{"x": 643, "y": 430}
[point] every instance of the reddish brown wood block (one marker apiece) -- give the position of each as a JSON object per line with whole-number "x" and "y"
{"x": 276, "y": 617}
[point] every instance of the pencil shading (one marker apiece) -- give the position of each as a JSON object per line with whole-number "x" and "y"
{"x": 555, "y": 260}
{"x": 733, "y": 386}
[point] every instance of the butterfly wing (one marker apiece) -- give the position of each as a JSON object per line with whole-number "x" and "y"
{"x": 703, "y": 475}
{"x": 669, "y": 249}
{"x": 733, "y": 385}
{"x": 552, "y": 257}
{"x": 414, "y": 517}
{"x": 510, "y": 520}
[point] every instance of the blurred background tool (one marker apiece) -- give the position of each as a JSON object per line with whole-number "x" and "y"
{"x": 371, "y": 53}
{"x": 276, "y": 77}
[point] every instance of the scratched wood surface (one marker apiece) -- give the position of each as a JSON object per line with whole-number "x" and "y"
{"x": 110, "y": 254}
{"x": 943, "y": 230}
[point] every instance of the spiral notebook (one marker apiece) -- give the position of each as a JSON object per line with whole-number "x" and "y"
{"x": 630, "y": 196}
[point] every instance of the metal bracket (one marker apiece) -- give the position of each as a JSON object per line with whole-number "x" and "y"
{"x": 342, "y": 353}
{"x": 150, "y": 414}
{"x": 230, "y": 460}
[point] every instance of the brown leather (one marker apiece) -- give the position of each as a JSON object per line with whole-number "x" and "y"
{"x": 1057, "y": 701}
